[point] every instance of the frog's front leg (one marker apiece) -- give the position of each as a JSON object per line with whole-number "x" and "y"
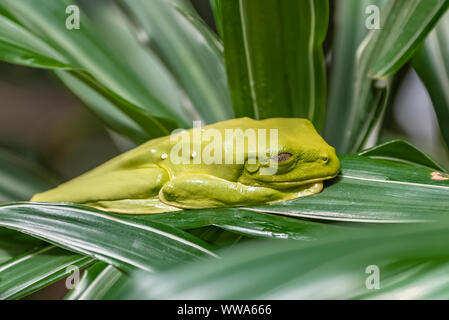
{"x": 206, "y": 191}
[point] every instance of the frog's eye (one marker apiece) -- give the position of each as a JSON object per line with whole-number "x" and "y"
{"x": 282, "y": 157}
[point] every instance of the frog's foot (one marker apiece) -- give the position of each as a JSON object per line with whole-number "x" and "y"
{"x": 302, "y": 191}
{"x": 133, "y": 206}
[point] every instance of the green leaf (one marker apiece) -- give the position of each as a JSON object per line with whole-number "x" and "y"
{"x": 195, "y": 61}
{"x": 218, "y": 237}
{"x": 402, "y": 151}
{"x": 15, "y": 54}
{"x": 380, "y": 55}
{"x": 216, "y": 9}
{"x": 129, "y": 45}
{"x": 97, "y": 282}
{"x": 349, "y": 32}
{"x": 405, "y": 28}
{"x": 210, "y": 37}
{"x": 373, "y": 191}
{"x": 241, "y": 221}
{"x": 103, "y": 106}
{"x": 21, "y": 179}
{"x": 432, "y": 65}
{"x": 274, "y": 57}
{"x": 37, "y": 269}
{"x": 22, "y": 271}
{"x": 18, "y": 45}
{"x": 13, "y": 243}
{"x": 150, "y": 125}
{"x": 148, "y": 246}
{"x": 412, "y": 260}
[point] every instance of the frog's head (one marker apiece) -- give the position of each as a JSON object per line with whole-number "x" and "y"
{"x": 301, "y": 157}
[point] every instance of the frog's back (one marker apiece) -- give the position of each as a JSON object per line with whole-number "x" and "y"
{"x": 156, "y": 151}
{"x": 145, "y": 155}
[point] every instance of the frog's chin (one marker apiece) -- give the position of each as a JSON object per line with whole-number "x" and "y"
{"x": 309, "y": 189}
{"x": 302, "y": 191}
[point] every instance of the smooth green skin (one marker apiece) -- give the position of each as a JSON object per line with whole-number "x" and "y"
{"x": 144, "y": 181}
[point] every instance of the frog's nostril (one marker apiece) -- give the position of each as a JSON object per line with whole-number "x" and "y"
{"x": 325, "y": 158}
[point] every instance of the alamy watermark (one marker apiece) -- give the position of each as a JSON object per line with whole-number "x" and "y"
{"x": 74, "y": 278}
{"x": 373, "y": 19}
{"x": 73, "y": 20}
{"x": 236, "y": 146}
{"x": 373, "y": 280}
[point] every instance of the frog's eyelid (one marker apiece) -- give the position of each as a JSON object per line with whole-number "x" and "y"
{"x": 283, "y": 157}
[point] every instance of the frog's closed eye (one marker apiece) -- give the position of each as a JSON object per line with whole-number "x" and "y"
{"x": 282, "y": 157}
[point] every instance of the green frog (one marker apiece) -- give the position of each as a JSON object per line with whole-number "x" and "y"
{"x": 226, "y": 164}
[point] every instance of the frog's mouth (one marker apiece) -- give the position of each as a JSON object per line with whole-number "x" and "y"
{"x": 293, "y": 184}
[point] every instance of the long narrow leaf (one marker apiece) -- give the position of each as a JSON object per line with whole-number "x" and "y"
{"x": 36, "y": 269}
{"x": 349, "y": 32}
{"x": 125, "y": 244}
{"x": 411, "y": 263}
{"x": 405, "y": 28}
{"x": 27, "y": 264}
{"x": 380, "y": 55}
{"x": 431, "y": 62}
{"x": 97, "y": 281}
{"x": 218, "y": 237}
{"x": 198, "y": 65}
{"x": 18, "y": 45}
{"x": 244, "y": 222}
{"x": 152, "y": 126}
{"x": 15, "y": 54}
{"x": 216, "y": 9}
{"x": 402, "y": 151}
{"x": 13, "y": 243}
{"x": 103, "y": 106}
{"x": 274, "y": 57}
